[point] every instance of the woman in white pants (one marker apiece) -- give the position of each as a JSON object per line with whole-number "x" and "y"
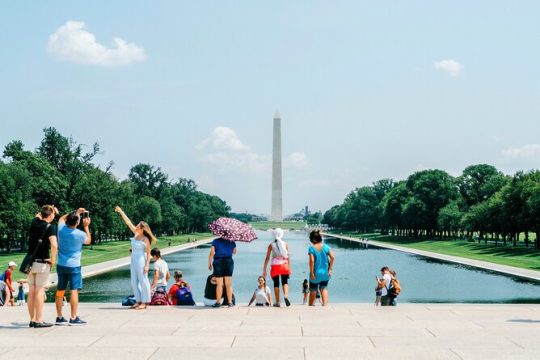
{"x": 140, "y": 260}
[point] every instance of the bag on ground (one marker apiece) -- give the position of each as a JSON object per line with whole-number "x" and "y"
{"x": 184, "y": 296}
{"x": 159, "y": 298}
{"x": 129, "y": 300}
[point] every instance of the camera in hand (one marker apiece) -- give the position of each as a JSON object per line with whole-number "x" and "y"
{"x": 85, "y": 214}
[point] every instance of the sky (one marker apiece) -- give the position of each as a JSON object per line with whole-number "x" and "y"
{"x": 366, "y": 89}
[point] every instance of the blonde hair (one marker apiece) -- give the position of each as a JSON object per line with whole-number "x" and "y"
{"x": 148, "y": 232}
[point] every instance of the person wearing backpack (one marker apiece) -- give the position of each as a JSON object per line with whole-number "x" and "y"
{"x": 180, "y": 291}
{"x": 386, "y": 283}
{"x": 395, "y": 288}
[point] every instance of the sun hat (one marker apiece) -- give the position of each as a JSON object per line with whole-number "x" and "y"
{"x": 12, "y": 263}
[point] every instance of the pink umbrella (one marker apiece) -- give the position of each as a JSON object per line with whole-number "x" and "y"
{"x": 232, "y": 229}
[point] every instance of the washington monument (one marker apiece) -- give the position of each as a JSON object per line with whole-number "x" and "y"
{"x": 277, "y": 203}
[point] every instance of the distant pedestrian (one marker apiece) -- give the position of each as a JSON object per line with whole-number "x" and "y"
{"x": 7, "y": 278}
{"x": 221, "y": 261}
{"x": 305, "y": 291}
{"x": 20, "y": 293}
{"x": 279, "y": 266}
{"x": 42, "y": 237}
{"x": 262, "y": 295}
{"x": 70, "y": 244}
{"x": 161, "y": 271}
{"x": 321, "y": 262}
{"x": 140, "y": 260}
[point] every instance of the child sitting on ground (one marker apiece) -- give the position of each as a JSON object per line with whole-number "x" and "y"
{"x": 262, "y": 295}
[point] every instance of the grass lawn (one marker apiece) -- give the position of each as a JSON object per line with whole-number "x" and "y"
{"x": 526, "y": 258}
{"x": 285, "y": 225}
{"x": 106, "y": 251}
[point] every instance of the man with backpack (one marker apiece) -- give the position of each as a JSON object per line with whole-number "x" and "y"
{"x": 180, "y": 291}
{"x": 386, "y": 282}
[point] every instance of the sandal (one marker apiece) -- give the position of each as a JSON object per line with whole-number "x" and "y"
{"x": 141, "y": 307}
{"x": 135, "y": 306}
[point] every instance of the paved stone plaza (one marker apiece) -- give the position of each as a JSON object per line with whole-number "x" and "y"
{"x": 340, "y": 331}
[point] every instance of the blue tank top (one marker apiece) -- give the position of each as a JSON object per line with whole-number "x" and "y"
{"x": 138, "y": 247}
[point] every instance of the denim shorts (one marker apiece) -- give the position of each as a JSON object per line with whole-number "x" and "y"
{"x": 71, "y": 275}
{"x": 223, "y": 267}
{"x": 318, "y": 286}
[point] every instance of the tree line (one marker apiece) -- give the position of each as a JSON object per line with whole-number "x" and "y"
{"x": 61, "y": 172}
{"x": 481, "y": 203}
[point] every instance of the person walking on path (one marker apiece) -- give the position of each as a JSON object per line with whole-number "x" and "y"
{"x": 7, "y": 278}
{"x": 321, "y": 262}
{"x": 140, "y": 260}
{"x": 279, "y": 266}
{"x": 385, "y": 282}
{"x": 161, "y": 271}
{"x": 262, "y": 295}
{"x": 70, "y": 243}
{"x": 221, "y": 261}
{"x": 42, "y": 237}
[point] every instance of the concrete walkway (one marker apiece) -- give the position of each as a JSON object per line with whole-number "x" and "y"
{"x": 96, "y": 269}
{"x": 509, "y": 270}
{"x": 340, "y": 331}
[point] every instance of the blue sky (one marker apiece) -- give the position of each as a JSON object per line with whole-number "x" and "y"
{"x": 366, "y": 89}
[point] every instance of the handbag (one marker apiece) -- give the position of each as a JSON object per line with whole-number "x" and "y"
{"x": 26, "y": 264}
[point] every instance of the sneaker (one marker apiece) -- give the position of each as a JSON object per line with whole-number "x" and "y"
{"x": 287, "y": 302}
{"x": 42, "y": 325}
{"x": 277, "y": 305}
{"x": 31, "y": 324}
{"x": 61, "y": 321}
{"x": 231, "y": 305}
{"x": 76, "y": 322}
{"x": 216, "y": 305}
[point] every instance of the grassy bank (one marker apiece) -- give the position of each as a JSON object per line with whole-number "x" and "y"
{"x": 112, "y": 250}
{"x": 526, "y": 258}
{"x": 286, "y": 225}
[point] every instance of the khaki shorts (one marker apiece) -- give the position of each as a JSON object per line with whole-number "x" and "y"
{"x": 39, "y": 274}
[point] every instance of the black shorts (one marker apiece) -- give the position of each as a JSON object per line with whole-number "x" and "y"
{"x": 223, "y": 267}
{"x": 318, "y": 286}
{"x": 284, "y": 280}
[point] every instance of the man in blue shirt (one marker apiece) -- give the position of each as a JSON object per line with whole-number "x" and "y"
{"x": 70, "y": 242}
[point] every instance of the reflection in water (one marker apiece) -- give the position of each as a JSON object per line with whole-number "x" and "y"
{"x": 423, "y": 279}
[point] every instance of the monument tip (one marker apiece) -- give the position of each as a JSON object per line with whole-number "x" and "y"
{"x": 277, "y": 115}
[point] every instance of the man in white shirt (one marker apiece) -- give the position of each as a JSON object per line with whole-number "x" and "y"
{"x": 386, "y": 283}
{"x": 161, "y": 271}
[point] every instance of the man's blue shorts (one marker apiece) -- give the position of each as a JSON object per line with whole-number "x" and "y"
{"x": 318, "y": 286}
{"x": 71, "y": 275}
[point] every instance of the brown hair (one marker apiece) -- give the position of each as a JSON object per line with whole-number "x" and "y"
{"x": 148, "y": 232}
{"x": 178, "y": 275}
{"x": 315, "y": 237}
{"x": 46, "y": 211}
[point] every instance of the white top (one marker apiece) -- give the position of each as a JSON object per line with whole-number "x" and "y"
{"x": 262, "y": 296}
{"x": 388, "y": 279}
{"x": 163, "y": 268}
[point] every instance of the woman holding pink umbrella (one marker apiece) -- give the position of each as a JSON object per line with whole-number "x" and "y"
{"x": 222, "y": 250}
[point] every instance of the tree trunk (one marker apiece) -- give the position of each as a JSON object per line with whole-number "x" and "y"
{"x": 527, "y": 238}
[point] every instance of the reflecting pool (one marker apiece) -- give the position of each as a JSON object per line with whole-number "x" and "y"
{"x": 423, "y": 280}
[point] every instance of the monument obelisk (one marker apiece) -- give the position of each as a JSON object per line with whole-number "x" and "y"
{"x": 277, "y": 204}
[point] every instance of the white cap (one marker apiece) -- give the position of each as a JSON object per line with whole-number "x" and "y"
{"x": 12, "y": 263}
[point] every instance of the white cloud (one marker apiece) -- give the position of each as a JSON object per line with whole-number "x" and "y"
{"x": 450, "y": 66}
{"x": 223, "y": 138}
{"x": 296, "y": 160}
{"x": 529, "y": 151}
{"x": 73, "y": 43}
{"x": 224, "y": 149}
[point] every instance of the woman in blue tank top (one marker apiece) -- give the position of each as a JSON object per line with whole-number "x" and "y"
{"x": 321, "y": 261}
